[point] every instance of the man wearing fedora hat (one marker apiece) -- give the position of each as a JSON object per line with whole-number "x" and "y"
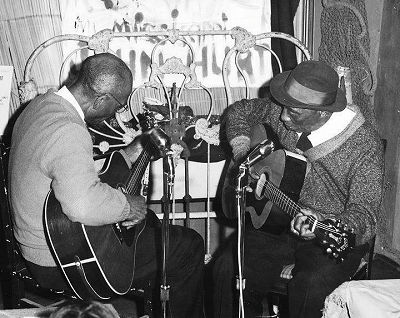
{"x": 309, "y": 115}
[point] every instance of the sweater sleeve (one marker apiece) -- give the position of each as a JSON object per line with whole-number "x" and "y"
{"x": 363, "y": 207}
{"x": 83, "y": 197}
{"x": 240, "y": 117}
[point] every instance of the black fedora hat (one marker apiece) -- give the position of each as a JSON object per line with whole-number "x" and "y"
{"x": 311, "y": 85}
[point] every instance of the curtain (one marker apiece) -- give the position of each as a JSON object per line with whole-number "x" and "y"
{"x": 23, "y": 26}
{"x": 282, "y": 15}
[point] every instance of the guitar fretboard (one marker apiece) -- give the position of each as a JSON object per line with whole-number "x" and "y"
{"x": 280, "y": 199}
{"x": 287, "y": 205}
{"x": 133, "y": 184}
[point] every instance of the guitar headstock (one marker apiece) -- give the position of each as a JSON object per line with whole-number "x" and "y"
{"x": 336, "y": 238}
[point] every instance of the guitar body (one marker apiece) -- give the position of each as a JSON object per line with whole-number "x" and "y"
{"x": 285, "y": 171}
{"x": 96, "y": 262}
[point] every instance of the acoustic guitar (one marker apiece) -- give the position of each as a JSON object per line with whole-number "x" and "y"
{"x": 98, "y": 261}
{"x": 272, "y": 174}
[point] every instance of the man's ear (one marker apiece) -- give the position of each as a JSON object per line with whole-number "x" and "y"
{"x": 99, "y": 102}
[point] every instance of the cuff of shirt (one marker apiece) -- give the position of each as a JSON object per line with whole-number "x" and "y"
{"x": 126, "y": 211}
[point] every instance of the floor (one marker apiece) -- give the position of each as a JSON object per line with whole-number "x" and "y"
{"x": 383, "y": 268}
{"x": 125, "y": 306}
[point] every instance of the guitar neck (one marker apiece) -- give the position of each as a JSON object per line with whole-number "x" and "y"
{"x": 133, "y": 184}
{"x": 287, "y": 205}
{"x": 281, "y": 200}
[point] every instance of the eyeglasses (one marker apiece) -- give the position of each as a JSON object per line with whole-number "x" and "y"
{"x": 121, "y": 107}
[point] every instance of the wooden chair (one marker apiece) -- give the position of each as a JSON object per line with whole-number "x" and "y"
{"x": 19, "y": 288}
{"x": 277, "y": 295}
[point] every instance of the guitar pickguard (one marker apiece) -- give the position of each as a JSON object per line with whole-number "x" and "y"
{"x": 258, "y": 220}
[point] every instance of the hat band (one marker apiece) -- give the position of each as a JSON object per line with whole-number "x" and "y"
{"x": 307, "y": 95}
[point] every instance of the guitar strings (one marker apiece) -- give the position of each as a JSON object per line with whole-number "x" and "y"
{"x": 133, "y": 176}
{"x": 143, "y": 158}
{"x": 133, "y": 184}
{"x": 276, "y": 194}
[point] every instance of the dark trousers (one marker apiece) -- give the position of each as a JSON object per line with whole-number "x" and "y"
{"x": 315, "y": 274}
{"x": 184, "y": 269}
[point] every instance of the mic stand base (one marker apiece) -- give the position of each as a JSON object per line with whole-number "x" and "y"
{"x": 164, "y": 297}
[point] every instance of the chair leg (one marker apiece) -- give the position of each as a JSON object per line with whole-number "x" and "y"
{"x": 148, "y": 300}
{"x": 274, "y": 306}
{"x": 278, "y": 306}
{"x": 270, "y": 310}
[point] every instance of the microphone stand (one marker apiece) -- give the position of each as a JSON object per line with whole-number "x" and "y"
{"x": 168, "y": 183}
{"x": 240, "y": 194}
{"x": 260, "y": 152}
{"x": 162, "y": 143}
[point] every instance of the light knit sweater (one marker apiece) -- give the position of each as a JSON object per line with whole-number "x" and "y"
{"x": 51, "y": 145}
{"x": 344, "y": 177}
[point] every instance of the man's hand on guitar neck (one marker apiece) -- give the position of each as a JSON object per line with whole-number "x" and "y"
{"x": 301, "y": 224}
{"x": 138, "y": 210}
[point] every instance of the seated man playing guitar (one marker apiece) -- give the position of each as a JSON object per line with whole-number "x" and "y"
{"x": 342, "y": 181}
{"x": 51, "y": 169}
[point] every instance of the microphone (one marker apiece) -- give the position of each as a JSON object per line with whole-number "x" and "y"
{"x": 261, "y": 151}
{"x": 160, "y": 140}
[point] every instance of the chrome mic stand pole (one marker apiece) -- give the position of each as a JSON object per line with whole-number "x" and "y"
{"x": 260, "y": 152}
{"x": 240, "y": 193}
{"x": 168, "y": 183}
{"x": 163, "y": 144}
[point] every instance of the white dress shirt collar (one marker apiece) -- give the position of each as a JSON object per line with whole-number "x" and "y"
{"x": 66, "y": 94}
{"x": 334, "y": 126}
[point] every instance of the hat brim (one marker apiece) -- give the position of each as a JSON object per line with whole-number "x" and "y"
{"x": 280, "y": 95}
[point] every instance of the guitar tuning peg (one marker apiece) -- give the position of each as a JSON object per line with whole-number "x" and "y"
{"x": 329, "y": 250}
{"x": 335, "y": 255}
